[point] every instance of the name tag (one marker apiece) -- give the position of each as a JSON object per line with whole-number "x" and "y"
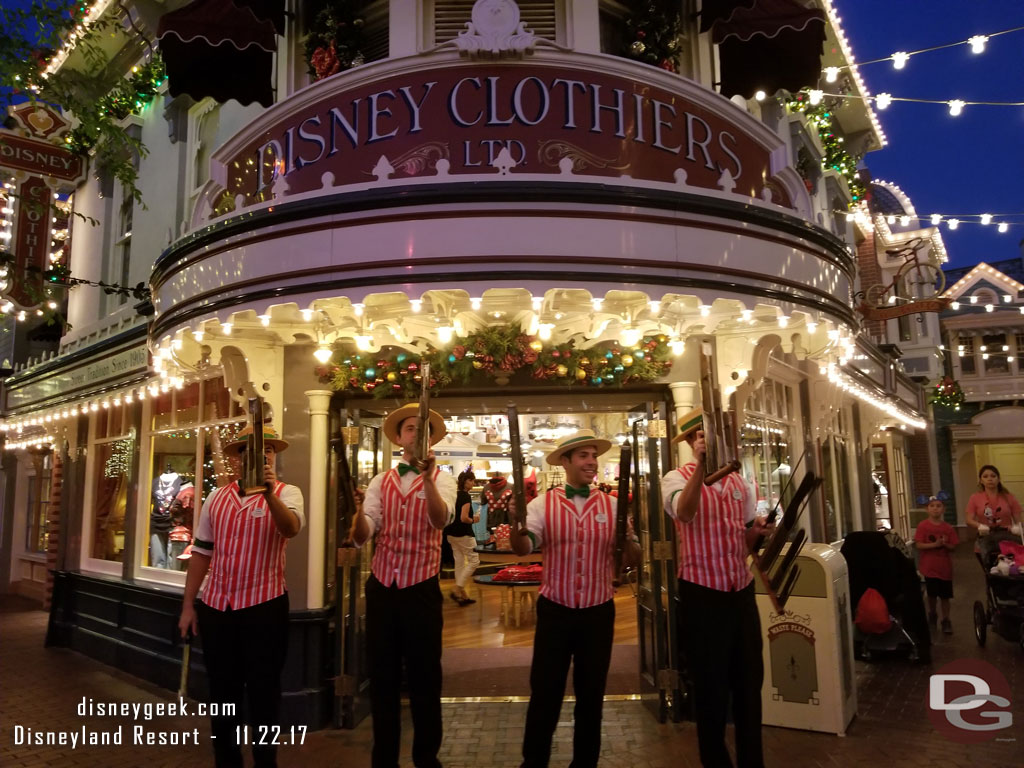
{"x": 601, "y": 517}
{"x": 737, "y": 495}
{"x": 421, "y": 495}
{"x": 258, "y": 511}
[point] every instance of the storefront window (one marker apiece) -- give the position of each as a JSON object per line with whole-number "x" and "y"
{"x": 38, "y": 504}
{"x": 767, "y": 445}
{"x": 880, "y": 488}
{"x": 112, "y": 468}
{"x": 835, "y": 468}
{"x": 188, "y": 428}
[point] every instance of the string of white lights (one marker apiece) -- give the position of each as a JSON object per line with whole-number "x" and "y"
{"x": 899, "y": 59}
{"x": 951, "y": 220}
{"x": 883, "y": 100}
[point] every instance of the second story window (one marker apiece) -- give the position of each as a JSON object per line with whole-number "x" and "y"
{"x": 965, "y": 348}
{"x": 994, "y": 352}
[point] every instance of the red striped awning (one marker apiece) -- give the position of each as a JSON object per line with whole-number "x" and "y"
{"x": 216, "y": 48}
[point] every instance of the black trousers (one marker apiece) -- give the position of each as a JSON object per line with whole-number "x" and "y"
{"x": 244, "y": 652}
{"x": 720, "y": 639}
{"x": 404, "y": 625}
{"x": 584, "y": 637}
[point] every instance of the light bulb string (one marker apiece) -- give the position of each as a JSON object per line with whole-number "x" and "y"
{"x": 944, "y": 102}
{"x": 968, "y": 41}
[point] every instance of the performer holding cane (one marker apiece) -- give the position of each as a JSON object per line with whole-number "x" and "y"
{"x": 407, "y": 507}
{"x": 576, "y": 526}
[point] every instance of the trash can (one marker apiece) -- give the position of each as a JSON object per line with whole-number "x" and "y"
{"x": 808, "y": 650}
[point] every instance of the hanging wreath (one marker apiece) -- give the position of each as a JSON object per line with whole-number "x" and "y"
{"x": 947, "y": 394}
{"x": 496, "y": 354}
{"x": 335, "y": 39}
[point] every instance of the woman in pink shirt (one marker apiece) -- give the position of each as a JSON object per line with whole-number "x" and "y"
{"x": 994, "y": 511}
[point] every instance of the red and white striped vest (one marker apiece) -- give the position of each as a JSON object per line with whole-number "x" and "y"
{"x": 408, "y": 548}
{"x": 578, "y": 549}
{"x": 247, "y": 567}
{"x": 713, "y": 546}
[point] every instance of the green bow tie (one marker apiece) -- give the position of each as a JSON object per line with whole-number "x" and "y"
{"x": 583, "y": 492}
{"x": 403, "y": 468}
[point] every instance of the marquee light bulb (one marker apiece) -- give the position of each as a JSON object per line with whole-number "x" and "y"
{"x": 831, "y": 74}
{"x": 883, "y": 100}
{"x": 956, "y": 106}
{"x": 936, "y": 218}
{"x": 986, "y": 218}
{"x": 904, "y": 221}
{"x": 899, "y": 59}
{"x": 953, "y": 223}
{"x": 816, "y": 96}
{"x": 977, "y": 43}
{"x": 1003, "y": 226}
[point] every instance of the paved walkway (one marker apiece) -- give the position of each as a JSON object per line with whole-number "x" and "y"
{"x": 41, "y": 689}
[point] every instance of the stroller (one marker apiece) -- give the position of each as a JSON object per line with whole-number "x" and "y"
{"x": 880, "y": 560}
{"x": 1004, "y": 588}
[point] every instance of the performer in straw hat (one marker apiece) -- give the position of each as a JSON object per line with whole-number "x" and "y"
{"x": 575, "y": 524}
{"x": 407, "y": 508}
{"x": 716, "y": 527}
{"x": 243, "y": 615}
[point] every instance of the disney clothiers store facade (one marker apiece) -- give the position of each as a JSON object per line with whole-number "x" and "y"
{"x": 545, "y": 223}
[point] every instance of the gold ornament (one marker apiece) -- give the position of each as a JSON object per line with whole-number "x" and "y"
{"x": 536, "y": 345}
{"x": 627, "y": 360}
{"x": 477, "y": 364}
{"x": 581, "y": 374}
{"x": 392, "y": 377}
{"x": 561, "y": 370}
{"x": 584, "y": 361}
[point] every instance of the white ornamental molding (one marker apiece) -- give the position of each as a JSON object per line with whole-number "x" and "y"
{"x": 495, "y": 31}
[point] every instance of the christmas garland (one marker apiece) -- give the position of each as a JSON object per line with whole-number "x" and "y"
{"x": 496, "y": 354}
{"x": 335, "y": 39}
{"x": 653, "y": 33}
{"x": 947, "y": 394}
{"x": 129, "y": 97}
{"x": 836, "y": 156}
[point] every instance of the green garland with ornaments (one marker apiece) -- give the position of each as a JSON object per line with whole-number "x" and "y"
{"x": 496, "y": 355}
{"x": 836, "y": 157}
{"x": 947, "y": 394}
{"x": 654, "y": 33}
{"x": 334, "y": 41}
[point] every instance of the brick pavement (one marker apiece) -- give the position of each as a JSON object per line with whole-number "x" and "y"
{"x": 41, "y": 688}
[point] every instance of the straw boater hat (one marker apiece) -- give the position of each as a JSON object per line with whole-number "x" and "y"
{"x": 270, "y": 437}
{"x": 396, "y": 417}
{"x": 690, "y": 422}
{"x": 581, "y": 438}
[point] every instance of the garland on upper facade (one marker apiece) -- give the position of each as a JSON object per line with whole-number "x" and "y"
{"x": 947, "y": 394}
{"x": 836, "y": 157}
{"x": 653, "y": 33}
{"x": 497, "y": 354}
{"x": 335, "y": 39}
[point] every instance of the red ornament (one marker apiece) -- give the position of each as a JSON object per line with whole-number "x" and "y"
{"x": 641, "y": 34}
{"x": 325, "y": 61}
{"x": 556, "y": 353}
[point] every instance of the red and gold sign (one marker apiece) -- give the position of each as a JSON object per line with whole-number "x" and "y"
{"x": 30, "y": 243}
{"x": 20, "y": 153}
{"x": 469, "y": 119}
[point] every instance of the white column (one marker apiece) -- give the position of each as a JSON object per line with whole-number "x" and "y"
{"x": 685, "y": 396}
{"x": 316, "y": 504}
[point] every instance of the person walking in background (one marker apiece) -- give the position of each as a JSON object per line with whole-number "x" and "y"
{"x": 463, "y": 540}
{"x": 243, "y": 614}
{"x": 936, "y": 539}
{"x": 407, "y": 507}
{"x": 994, "y": 512}
{"x": 719, "y": 626}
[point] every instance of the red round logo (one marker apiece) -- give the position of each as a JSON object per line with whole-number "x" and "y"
{"x": 969, "y": 701}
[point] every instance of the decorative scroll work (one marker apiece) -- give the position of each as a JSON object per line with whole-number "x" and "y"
{"x": 421, "y": 158}
{"x": 495, "y": 30}
{"x": 552, "y": 151}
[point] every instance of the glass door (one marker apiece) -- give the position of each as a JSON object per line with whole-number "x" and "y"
{"x": 656, "y": 580}
{"x": 357, "y": 443}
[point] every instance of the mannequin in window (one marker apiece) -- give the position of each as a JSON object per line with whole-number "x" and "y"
{"x": 180, "y": 535}
{"x": 165, "y": 489}
{"x": 496, "y": 495}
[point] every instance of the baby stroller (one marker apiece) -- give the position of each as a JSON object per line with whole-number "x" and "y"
{"x": 880, "y": 560}
{"x": 1004, "y": 589}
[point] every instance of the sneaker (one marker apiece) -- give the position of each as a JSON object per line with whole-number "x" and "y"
{"x": 933, "y": 619}
{"x": 947, "y": 627}
{"x": 464, "y": 601}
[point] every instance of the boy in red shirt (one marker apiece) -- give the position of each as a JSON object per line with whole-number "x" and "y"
{"x": 936, "y": 538}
